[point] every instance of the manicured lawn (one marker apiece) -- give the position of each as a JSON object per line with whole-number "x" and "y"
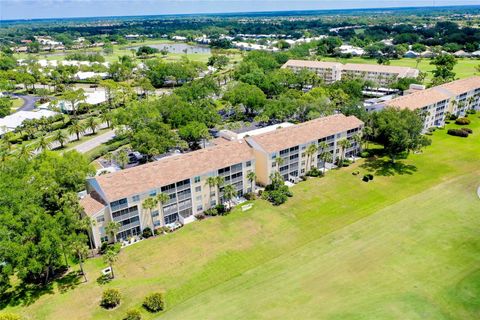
{"x": 464, "y": 68}
{"x": 402, "y": 246}
{"x": 17, "y": 103}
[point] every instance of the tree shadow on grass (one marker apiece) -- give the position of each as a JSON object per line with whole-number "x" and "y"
{"x": 382, "y": 166}
{"x": 25, "y": 294}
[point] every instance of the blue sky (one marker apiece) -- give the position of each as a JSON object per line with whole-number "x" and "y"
{"x": 30, "y": 9}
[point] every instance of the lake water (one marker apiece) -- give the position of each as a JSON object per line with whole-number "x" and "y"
{"x": 178, "y": 48}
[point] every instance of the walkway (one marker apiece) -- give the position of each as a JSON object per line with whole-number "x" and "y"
{"x": 94, "y": 142}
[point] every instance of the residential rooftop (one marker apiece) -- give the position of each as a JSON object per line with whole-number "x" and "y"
{"x": 305, "y": 132}
{"x": 422, "y": 98}
{"x": 312, "y": 64}
{"x": 169, "y": 170}
{"x": 91, "y": 204}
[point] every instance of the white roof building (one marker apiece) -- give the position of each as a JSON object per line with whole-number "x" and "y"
{"x": 93, "y": 98}
{"x": 89, "y": 74}
{"x": 354, "y": 51}
{"x": 10, "y": 122}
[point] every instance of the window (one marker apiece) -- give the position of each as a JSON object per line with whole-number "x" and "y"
{"x": 198, "y": 198}
{"x": 156, "y": 223}
{"x": 249, "y": 163}
{"x": 198, "y": 189}
{"x": 199, "y": 207}
{"x": 274, "y": 164}
{"x": 213, "y": 202}
{"x": 104, "y": 239}
{"x": 101, "y": 218}
{"x": 155, "y": 213}
{"x": 153, "y": 193}
{"x": 136, "y": 198}
{"x": 197, "y": 179}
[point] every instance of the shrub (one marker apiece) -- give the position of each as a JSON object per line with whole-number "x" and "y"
{"x": 462, "y": 121}
{"x": 314, "y": 172}
{"x": 103, "y": 247}
{"x": 9, "y": 316}
{"x": 356, "y": 173}
{"x": 447, "y": 122}
{"x": 220, "y": 209}
{"x": 133, "y": 314}
{"x": 471, "y": 111}
{"x": 154, "y": 302}
{"x": 199, "y": 216}
{"x": 250, "y": 196}
{"x": 211, "y": 212}
{"x": 457, "y": 133}
{"x": 467, "y": 130}
{"x": 369, "y": 176}
{"x": 453, "y": 117}
{"x": 110, "y": 298}
{"x": 364, "y": 154}
{"x": 147, "y": 232}
{"x": 365, "y": 179}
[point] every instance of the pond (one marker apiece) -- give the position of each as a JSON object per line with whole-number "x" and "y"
{"x": 178, "y": 48}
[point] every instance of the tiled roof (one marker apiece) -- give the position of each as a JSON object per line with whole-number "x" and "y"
{"x": 436, "y": 94}
{"x": 153, "y": 175}
{"x": 418, "y": 99}
{"x": 305, "y": 132}
{"x": 461, "y": 86}
{"x": 91, "y": 204}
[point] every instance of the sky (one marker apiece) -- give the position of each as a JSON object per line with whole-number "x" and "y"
{"x": 32, "y": 9}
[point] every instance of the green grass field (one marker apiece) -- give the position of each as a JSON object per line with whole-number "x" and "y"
{"x": 403, "y": 246}
{"x": 464, "y": 68}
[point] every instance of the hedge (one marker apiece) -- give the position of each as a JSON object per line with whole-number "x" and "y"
{"x": 457, "y": 133}
{"x": 462, "y": 121}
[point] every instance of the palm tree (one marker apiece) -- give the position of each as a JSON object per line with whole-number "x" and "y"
{"x": 42, "y": 143}
{"x": 92, "y": 124}
{"x": 88, "y": 224}
{"x": 112, "y": 229}
{"x": 229, "y": 193}
{"x": 367, "y": 133}
{"x": 106, "y": 117}
{"x": 76, "y": 128}
{"x": 211, "y": 182}
{"x": 310, "y": 152}
{"x": 358, "y": 140}
{"x": 110, "y": 257}
{"x": 251, "y": 176}
{"x": 122, "y": 158}
{"x": 25, "y": 152}
{"x": 81, "y": 250}
{"x": 149, "y": 204}
{"x": 326, "y": 157}
{"x": 162, "y": 198}
{"x": 219, "y": 181}
{"x": 344, "y": 144}
{"x": 279, "y": 161}
{"x": 60, "y": 137}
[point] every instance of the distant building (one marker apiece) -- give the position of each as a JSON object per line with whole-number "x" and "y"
{"x": 335, "y": 71}
{"x": 15, "y": 120}
{"x": 454, "y": 97}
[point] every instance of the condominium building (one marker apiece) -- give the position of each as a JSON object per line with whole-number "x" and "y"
{"x": 455, "y": 98}
{"x": 291, "y": 145}
{"x": 120, "y": 196}
{"x": 330, "y": 72}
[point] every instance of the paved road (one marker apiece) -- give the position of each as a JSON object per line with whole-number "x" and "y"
{"x": 94, "y": 142}
{"x": 28, "y": 102}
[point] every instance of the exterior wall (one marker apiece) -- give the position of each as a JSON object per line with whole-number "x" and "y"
{"x": 187, "y": 198}
{"x": 97, "y": 231}
{"x": 328, "y": 75}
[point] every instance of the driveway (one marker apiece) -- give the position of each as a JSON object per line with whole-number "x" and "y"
{"x": 95, "y": 142}
{"x": 28, "y": 102}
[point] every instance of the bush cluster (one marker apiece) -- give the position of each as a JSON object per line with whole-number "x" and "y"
{"x": 154, "y": 302}
{"x": 250, "y": 196}
{"x": 471, "y": 111}
{"x": 147, "y": 233}
{"x": 133, "y": 314}
{"x": 9, "y": 316}
{"x": 462, "y": 121}
{"x": 367, "y": 177}
{"x": 364, "y": 154}
{"x": 110, "y": 298}
{"x": 458, "y": 133}
{"x": 277, "y": 196}
{"x": 218, "y": 210}
{"x": 315, "y": 172}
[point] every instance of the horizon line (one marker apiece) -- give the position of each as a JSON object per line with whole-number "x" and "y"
{"x": 242, "y": 13}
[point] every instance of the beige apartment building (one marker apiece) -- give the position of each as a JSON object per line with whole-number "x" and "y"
{"x": 330, "y": 72}
{"x": 119, "y": 196}
{"x": 455, "y": 98}
{"x": 291, "y": 145}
